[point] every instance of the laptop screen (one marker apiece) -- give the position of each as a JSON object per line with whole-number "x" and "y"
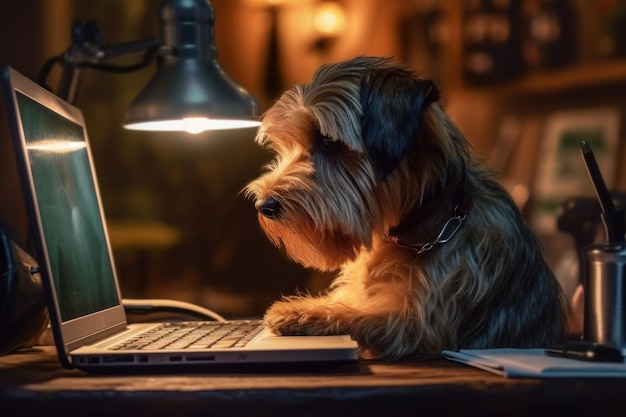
{"x": 68, "y": 208}
{"x": 68, "y": 228}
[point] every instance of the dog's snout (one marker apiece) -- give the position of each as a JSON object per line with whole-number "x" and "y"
{"x": 270, "y": 207}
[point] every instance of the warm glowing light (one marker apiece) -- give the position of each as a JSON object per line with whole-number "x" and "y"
{"x": 193, "y": 125}
{"x": 272, "y": 3}
{"x": 329, "y": 19}
{"x": 56, "y": 146}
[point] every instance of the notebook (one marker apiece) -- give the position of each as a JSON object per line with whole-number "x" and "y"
{"x": 87, "y": 315}
{"x": 534, "y": 363}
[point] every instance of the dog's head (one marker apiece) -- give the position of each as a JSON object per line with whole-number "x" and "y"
{"x": 355, "y": 149}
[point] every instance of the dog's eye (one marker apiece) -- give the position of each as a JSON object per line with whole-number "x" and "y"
{"x": 327, "y": 144}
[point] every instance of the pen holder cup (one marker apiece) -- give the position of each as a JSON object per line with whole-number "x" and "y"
{"x": 605, "y": 294}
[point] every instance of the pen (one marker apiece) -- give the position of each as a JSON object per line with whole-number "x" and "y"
{"x": 613, "y": 220}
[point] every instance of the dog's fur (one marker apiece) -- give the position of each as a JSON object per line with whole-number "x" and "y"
{"x": 364, "y": 152}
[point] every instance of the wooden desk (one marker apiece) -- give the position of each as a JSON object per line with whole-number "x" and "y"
{"x": 33, "y": 383}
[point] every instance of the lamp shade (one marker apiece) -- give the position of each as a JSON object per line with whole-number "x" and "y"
{"x": 189, "y": 91}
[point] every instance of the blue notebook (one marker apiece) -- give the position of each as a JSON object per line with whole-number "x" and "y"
{"x": 534, "y": 363}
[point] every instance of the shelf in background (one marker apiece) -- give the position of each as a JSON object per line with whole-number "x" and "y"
{"x": 560, "y": 80}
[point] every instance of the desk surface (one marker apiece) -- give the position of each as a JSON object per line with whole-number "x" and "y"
{"x": 33, "y": 383}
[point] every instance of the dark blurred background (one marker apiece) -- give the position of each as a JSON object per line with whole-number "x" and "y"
{"x": 517, "y": 76}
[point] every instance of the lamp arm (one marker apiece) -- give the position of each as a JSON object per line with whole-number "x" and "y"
{"x": 87, "y": 51}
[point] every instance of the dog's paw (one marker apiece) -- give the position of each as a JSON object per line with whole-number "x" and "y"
{"x": 309, "y": 316}
{"x": 300, "y": 316}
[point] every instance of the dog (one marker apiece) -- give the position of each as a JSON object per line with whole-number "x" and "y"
{"x": 372, "y": 179}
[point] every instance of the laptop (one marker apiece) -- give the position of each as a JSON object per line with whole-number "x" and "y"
{"x": 87, "y": 315}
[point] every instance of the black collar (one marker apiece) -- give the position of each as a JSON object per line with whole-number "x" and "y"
{"x": 461, "y": 199}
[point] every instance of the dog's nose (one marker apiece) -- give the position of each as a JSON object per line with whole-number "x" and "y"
{"x": 269, "y": 207}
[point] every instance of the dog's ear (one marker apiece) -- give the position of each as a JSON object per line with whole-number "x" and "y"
{"x": 392, "y": 100}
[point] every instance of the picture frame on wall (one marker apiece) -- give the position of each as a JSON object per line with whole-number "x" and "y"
{"x": 561, "y": 172}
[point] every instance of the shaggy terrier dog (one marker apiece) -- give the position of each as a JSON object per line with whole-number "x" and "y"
{"x": 371, "y": 178}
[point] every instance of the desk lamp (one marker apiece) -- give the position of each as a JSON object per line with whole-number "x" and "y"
{"x": 189, "y": 92}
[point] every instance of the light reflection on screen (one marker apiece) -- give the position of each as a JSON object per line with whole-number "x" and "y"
{"x": 55, "y": 146}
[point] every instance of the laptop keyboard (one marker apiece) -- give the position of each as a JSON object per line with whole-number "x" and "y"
{"x": 194, "y": 335}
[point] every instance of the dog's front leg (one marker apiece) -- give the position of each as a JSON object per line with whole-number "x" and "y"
{"x": 382, "y": 332}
